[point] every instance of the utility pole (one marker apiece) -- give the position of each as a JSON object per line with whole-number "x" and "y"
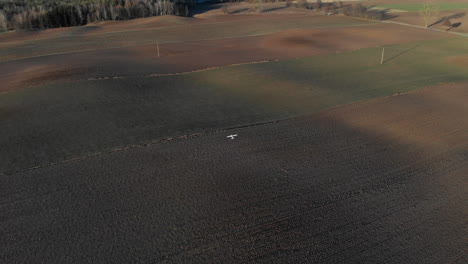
{"x": 157, "y": 47}
{"x": 383, "y": 53}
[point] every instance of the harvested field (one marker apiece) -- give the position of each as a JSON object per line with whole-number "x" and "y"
{"x": 148, "y": 23}
{"x": 80, "y": 118}
{"x": 407, "y": 124}
{"x": 459, "y": 61}
{"x": 196, "y": 55}
{"x": 111, "y": 153}
{"x": 376, "y": 182}
{"x": 37, "y": 74}
{"x": 241, "y": 27}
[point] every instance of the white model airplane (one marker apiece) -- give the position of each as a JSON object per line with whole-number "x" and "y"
{"x": 232, "y": 136}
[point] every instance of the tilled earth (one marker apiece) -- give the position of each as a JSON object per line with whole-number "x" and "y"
{"x": 382, "y": 181}
{"x": 186, "y": 56}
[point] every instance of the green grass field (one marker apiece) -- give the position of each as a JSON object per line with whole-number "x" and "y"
{"x": 418, "y": 7}
{"x": 62, "y": 121}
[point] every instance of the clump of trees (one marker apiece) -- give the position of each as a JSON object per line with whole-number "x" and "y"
{"x": 303, "y": 4}
{"x": 318, "y": 4}
{"x": 225, "y": 9}
{"x": 42, "y": 14}
{"x": 355, "y": 10}
{"x": 258, "y": 6}
{"x": 359, "y": 10}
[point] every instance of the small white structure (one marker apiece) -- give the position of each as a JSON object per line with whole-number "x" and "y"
{"x": 232, "y": 136}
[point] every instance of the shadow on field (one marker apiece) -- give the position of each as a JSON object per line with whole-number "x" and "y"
{"x": 77, "y": 118}
{"x": 383, "y": 12}
{"x": 456, "y": 25}
{"x": 303, "y": 190}
{"x": 273, "y": 9}
{"x": 386, "y": 15}
{"x": 445, "y": 18}
{"x": 400, "y": 54}
{"x": 202, "y": 8}
{"x": 238, "y": 11}
{"x": 76, "y": 31}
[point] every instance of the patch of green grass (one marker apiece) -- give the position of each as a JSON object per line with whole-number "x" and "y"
{"x": 418, "y": 7}
{"x": 62, "y": 121}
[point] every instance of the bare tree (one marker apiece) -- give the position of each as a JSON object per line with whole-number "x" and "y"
{"x": 303, "y": 3}
{"x": 318, "y": 5}
{"x": 259, "y": 6}
{"x": 224, "y": 9}
{"x": 429, "y": 10}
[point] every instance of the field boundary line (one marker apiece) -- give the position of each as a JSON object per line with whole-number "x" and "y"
{"x": 106, "y": 78}
{"x": 414, "y": 26}
{"x": 184, "y": 41}
{"x": 145, "y": 144}
{"x": 177, "y": 73}
{"x": 426, "y": 28}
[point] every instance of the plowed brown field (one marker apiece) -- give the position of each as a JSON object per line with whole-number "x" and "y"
{"x": 196, "y": 55}
{"x": 382, "y": 181}
{"x": 141, "y": 24}
{"x": 459, "y": 61}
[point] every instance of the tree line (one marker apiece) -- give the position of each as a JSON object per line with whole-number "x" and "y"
{"x": 43, "y": 14}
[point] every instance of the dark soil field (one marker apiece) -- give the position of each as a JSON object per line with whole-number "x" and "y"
{"x": 382, "y": 181}
{"x": 110, "y": 153}
{"x": 51, "y": 123}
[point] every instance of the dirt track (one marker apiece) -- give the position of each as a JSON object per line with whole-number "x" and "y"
{"x": 377, "y": 182}
{"x": 460, "y": 21}
{"x": 196, "y": 55}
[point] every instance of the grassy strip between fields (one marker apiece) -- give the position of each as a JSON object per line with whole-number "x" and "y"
{"x": 58, "y": 122}
{"x": 418, "y": 7}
